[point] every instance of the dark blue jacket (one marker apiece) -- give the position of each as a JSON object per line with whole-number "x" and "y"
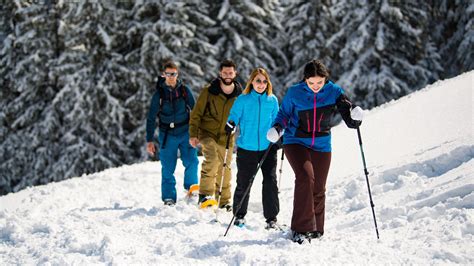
{"x": 306, "y": 115}
{"x": 174, "y": 108}
{"x": 254, "y": 113}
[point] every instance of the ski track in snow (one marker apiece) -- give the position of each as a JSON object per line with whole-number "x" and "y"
{"x": 423, "y": 202}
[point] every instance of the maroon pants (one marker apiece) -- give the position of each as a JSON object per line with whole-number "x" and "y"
{"x": 311, "y": 171}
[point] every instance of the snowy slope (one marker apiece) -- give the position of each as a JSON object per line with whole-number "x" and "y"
{"x": 419, "y": 152}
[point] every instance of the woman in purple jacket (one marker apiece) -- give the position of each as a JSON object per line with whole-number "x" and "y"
{"x": 304, "y": 117}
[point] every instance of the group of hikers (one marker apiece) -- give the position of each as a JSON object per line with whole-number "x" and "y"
{"x": 302, "y": 121}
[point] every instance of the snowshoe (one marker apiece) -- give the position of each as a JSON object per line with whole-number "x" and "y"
{"x": 272, "y": 224}
{"x": 227, "y": 207}
{"x": 193, "y": 191}
{"x": 301, "y": 238}
{"x": 240, "y": 222}
{"x": 207, "y": 201}
{"x": 316, "y": 234}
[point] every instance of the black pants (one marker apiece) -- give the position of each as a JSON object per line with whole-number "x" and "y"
{"x": 247, "y": 162}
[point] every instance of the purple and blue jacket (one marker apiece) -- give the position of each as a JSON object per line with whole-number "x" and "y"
{"x": 306, "y": 116}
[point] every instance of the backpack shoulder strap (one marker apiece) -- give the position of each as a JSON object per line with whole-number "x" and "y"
{"x": 184, "y": 94}
{"x": 182, "y": 91}
{"x": 161, "y": 92}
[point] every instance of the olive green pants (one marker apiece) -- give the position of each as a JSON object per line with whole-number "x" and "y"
{"x": 211, "y": 170}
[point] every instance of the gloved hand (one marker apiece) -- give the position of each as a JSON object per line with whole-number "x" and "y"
{"x": 357, "y": 113}
{"x": 274, "y": 133}
{"x": 229, "y": 127}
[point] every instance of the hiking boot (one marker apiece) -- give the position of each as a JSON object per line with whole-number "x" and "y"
{"x": 240, "y": 222}
{"x": 227, "y": 207}
{"x": 169, "y": 202}
{"x": 316, "y": 234}
{"x": 301, "y": 237}
{"x": 272, "y": 224}
{"x": 201, "y": 198}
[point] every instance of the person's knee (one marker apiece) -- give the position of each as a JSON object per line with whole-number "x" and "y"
{"x": 270, "y": 179}
{"x": 320, "y": 193}
{"x": 305, "y": 179}
{"x": 210, "y": 167}
{"x": 190, "y": 161}
{"x": 169, "y": 180}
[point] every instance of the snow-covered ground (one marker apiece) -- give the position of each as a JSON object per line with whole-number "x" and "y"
{"x": 419, "y": 152}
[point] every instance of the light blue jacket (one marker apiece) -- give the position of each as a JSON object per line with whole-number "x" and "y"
{"x": 254, "y": 114}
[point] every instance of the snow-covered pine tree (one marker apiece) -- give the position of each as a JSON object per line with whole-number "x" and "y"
{"x": 387, "y": 51}
{"x": 76, "y": 76}
{"x": 247, "y": 33}
{"x": 309, "y": 26}
{"x": 453, "y": 29}
{"x": 7, "y": 56}
{"x": 98, "y": 90}
{"x": 28, "y": 56}
{"x": 174, "y": 30}
{"x": 7, "y": 92}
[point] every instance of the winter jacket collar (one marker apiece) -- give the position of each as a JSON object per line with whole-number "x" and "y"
{"x": 215, "y": 88}
{"x": 162, "y": 83}
{"x": 257, "y": 95}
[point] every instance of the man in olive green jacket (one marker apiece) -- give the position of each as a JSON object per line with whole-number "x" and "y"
{"x": 206, "y": 126}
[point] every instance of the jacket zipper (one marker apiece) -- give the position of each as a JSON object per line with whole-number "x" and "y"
{"x": 258, "y": 131}
{"x": 319, "y": 122}
{"x": 314, "y": 118}
{"x": 174, "y": 106}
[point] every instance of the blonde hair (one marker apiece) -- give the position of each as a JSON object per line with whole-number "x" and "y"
{"x": 255, "y": 72}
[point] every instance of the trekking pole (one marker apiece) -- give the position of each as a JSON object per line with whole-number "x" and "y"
{"x": 248, "y": 187}
{"x": 222, "y": 176}
{"x": 367, "y": 179}
{"x": 281, "y": 168}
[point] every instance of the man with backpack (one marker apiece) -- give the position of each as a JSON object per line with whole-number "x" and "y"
{"x": 207, "y": 127}
{"x": 172, "y": 103}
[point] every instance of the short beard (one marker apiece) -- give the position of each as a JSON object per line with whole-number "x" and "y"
{"x": 226, "y": 83}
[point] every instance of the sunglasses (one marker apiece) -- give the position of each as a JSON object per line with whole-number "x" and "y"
{"x": 261, "y": 81}
{"x": 171, "y": 74}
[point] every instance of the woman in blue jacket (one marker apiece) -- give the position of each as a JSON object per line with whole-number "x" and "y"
{"x": 254, "y": 112}
{"x": 304, "y": 117}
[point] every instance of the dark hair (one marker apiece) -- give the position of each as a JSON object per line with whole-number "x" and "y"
{"x": 227, "y": 63}
{"x": 315, "y": 68}
{"x": 169, "y": 64}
